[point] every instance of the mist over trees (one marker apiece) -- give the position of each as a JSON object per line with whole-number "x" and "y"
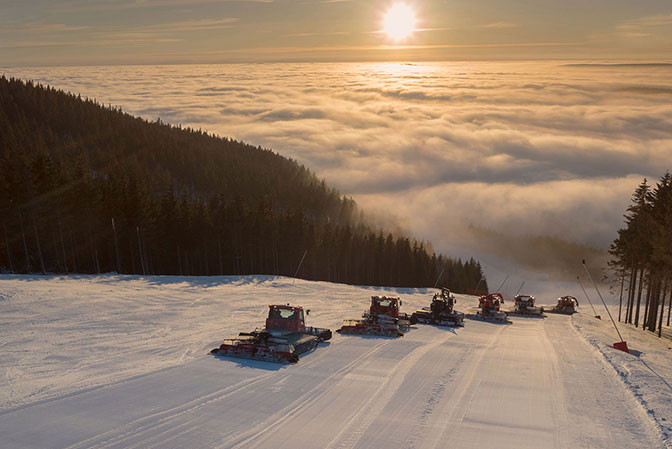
{"x": 642, "y": 256}
{"x": 86, "y": 188}
{"x": 551, "y": 255}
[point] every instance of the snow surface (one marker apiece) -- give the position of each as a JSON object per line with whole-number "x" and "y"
{"x": 646, "y": 371}
{"x": 122, "y": 361}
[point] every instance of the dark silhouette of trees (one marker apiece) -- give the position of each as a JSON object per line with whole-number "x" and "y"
{"x": 642, "y": 256}
{"x": 86, "y": 188}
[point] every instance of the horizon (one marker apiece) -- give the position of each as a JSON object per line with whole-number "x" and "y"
{"x": 77, "y": 32}
{"x": 568, "y": 62}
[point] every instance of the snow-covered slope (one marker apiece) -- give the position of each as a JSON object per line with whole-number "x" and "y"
{"x": 646, "y": 372}
{"x": 121, "y": 361}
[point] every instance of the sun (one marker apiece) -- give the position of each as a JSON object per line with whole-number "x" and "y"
{"x": 399, "y": 21}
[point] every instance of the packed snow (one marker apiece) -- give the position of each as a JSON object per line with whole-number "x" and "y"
{"x": 646, "y": 371}
{"x": 122, "y": 361}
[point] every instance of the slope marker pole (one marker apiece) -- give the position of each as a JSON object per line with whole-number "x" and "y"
{"x": 586, "y": 293}
{"x": 439, "y": 278}
{"x": 478, "y": 285}
{"x": 502, "y": 284}
{"x": 299, "y": 267}
{"x": 622, "y": 345}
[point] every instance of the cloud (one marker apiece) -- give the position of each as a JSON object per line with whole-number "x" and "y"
{"x": 525, "y": 149}
{"x": 659, "y": 20}
{"x": 500, "y": 25}
{"x": 43, "y": 28}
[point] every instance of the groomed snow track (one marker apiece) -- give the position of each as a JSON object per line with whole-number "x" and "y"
{"x": 533, "y": 384}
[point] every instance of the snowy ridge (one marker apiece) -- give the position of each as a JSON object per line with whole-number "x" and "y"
{"x": 646, "y": 372}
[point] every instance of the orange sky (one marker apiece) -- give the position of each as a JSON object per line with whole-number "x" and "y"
{"x": 92, "y": 32}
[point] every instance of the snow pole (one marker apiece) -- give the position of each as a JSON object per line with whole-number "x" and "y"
{"x": 439, "y": 278}
{"x": 519, "y": 288}
{"x": 622, "y": 345}
{"x": 300, "y": 263}
{"x": 478, "y": 285}
{"x": 586, "y": 293}
{"x": 503, "y": 282}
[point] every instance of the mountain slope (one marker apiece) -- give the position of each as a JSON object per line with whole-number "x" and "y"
{"x": 88, "y": 188}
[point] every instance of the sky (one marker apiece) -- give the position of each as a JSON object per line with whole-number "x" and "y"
{"x": 108, "y": 32}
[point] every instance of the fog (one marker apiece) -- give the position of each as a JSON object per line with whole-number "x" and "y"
{"x": 525, "y": 149}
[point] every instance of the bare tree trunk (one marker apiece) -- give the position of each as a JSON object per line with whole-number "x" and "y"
{"x": 669, "y": 308}
{"x": 662, "y": 311}
{"x": 620, "y": 298}
{"x": 116, "y": 246}
{"x": 142, "y": 259}
{"x": 653, "y": 307}
{"x": 57, "y": 261}
{"x": 221, "y": 266}
{"x": 94, "y": 252}
{"x": 25, "y": 245}
{"x": 74, "y": 254}
{"x": 39, "y": 248}
{"x": 65, "y": 258}
{"x": 631, "y": 293}
{"x": 639, "y": 295}
{"x": 649, "y": 289}
{"x": 9, "y": 252}
{"x": 207, "y": 265}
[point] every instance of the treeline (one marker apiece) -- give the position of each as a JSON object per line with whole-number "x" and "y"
{"x": 86, "y": 188}
{"x": 642, "y": 256}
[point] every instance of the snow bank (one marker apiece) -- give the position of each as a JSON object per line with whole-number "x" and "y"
{"x": 646, "y": 372}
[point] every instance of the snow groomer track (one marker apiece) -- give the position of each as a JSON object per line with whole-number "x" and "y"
{"x": 533, "y": 384}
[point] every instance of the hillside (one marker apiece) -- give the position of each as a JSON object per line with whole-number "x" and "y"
{"x": 87, "y": 188}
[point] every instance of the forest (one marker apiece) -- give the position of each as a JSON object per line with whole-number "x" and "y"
{"x": 87, "y": 188}
{"x": 642, "y": 257}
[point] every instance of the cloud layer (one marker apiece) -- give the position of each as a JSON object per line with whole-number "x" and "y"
{"x": 522, "y": 148}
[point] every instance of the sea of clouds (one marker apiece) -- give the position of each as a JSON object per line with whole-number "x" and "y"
{"x": 524, "y": 148}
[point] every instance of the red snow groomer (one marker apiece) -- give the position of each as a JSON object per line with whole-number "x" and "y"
{"x": 383, "y": 319}
{"x": 566, "y": 305}
{"x": 284, "y": 338}
{"x": 524, "y": 305}
{"x": 489, "y": 309}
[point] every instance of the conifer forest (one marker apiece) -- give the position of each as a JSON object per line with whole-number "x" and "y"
{"x": 87, "y": 188}
{"x": 642, "y": 257}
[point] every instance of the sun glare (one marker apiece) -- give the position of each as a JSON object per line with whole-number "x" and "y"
{"x": 399, "y": 21}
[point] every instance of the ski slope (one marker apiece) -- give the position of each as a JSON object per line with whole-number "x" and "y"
{"x": 122, "y": 362}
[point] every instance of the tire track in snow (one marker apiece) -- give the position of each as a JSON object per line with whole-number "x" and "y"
{"x": 155, "y": 420}
{"x": 162, "y": 423}
{"x": 433, "y": 404}
{"x": 157, "y": 429}
{"x": 561, "y": 427}
{"x": 176, "y": 430}
{"x": 362, "y": 418}
{"x": 258, "y": 434}
{"x": 467, "y": 389}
